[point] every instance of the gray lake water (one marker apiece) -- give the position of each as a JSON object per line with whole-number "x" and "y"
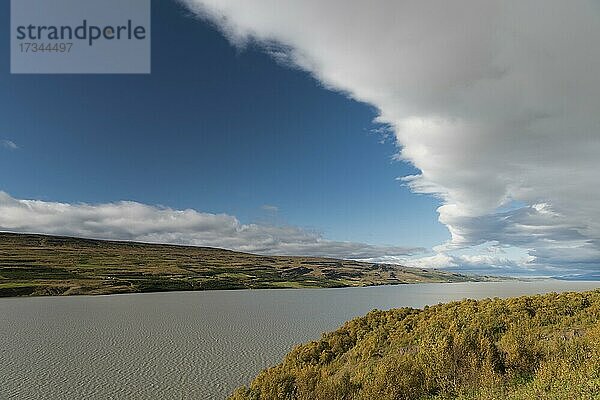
{"x": 189, "y": 345}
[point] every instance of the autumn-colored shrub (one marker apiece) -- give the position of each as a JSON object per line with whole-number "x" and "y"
{"x": 536, "y": 347}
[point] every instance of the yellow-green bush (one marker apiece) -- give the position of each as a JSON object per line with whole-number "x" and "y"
{"x": 537, "y": 347}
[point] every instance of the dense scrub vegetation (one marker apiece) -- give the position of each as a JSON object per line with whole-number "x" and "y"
{"x": 540, "y": 347}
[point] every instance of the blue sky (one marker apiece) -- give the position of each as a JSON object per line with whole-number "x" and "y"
{"x": 255, "y": 132}
{"x": 213, "y": 128}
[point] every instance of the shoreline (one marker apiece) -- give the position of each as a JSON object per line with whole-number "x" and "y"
{"x": 324, "y": 289}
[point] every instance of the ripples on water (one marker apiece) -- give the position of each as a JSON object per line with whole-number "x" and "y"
{"x": 188, "y": 345}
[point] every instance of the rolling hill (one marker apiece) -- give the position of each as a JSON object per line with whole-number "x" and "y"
{"x": 53, "y": 265}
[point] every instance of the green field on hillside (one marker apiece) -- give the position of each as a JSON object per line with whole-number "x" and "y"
{"x": 52, "y": 265}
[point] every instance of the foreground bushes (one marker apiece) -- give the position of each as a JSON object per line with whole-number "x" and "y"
{"x": 540, "y": 347}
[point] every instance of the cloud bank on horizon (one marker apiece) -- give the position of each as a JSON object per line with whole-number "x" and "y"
{"x": 496, "y": 103}
{"x": 128, "y": 220}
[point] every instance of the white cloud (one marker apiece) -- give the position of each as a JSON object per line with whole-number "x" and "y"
{"x": 8, "y": 144}
{"x": 127, "y": 220}
{"x": 494, "y": 102}
{"x": 483, "y": 261}
{"x": 270, "y": 208}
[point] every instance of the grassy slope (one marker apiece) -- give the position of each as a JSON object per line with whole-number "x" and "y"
{"x": 539, "y": 347}
{"x": 51, "y": 265}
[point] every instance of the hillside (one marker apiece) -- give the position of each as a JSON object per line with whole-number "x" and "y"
{"x": 540, "y": 347}
{"x": 52, "y": 265}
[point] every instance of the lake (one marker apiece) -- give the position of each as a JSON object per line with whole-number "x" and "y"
{"x": 189, "y": 345}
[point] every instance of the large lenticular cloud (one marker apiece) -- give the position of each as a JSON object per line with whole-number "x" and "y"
{"x": 495, "y": 102}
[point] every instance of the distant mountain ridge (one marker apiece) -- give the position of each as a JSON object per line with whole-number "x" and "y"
{"x": 37, "y": 265}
